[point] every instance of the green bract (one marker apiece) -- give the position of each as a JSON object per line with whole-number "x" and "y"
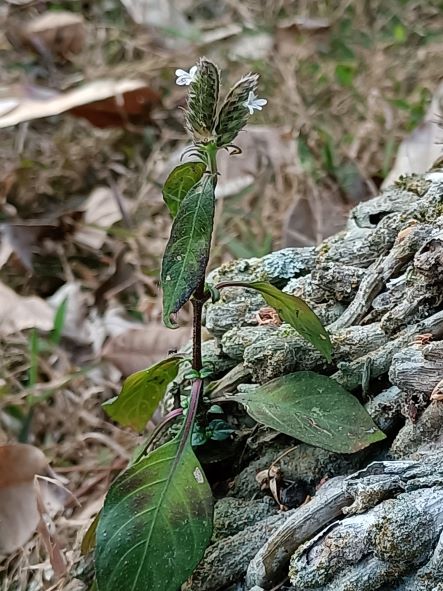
{"x": 203, "y": 100}
{"x": 234, "y": 113}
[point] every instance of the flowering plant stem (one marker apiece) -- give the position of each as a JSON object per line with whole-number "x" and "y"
{"x": 200, "y": 297}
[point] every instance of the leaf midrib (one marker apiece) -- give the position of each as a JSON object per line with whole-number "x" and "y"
{"x": 189, "y": 248}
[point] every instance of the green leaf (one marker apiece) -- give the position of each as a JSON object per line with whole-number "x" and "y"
{"x": 187, "y": 252}
{"x": 59, "y": 322}
{"x": 297, "y": 313}
{"x": 345, "y": 74}
{"x": 88, "y": 541}
{"x": 314, "y": 409}
{"x": 180, "y": 182}
{"x": 141, "y": 393}
{"x": 156, "y": 523}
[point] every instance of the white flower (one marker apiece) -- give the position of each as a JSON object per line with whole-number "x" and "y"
{"x": 185, "y": 78}
{"x": 254, "y": 103}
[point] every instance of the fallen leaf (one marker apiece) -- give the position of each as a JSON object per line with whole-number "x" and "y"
{"x": 251, "y": 46}
{"x": 121, "y": 275}
{"x": 313, "y": 218}
{"x": 163, "y": 14}
{"x": 101, "y": 210}
{"x": 133, "y": 106}
{"x": 21, "y": 238}
{"x": 138, "y": 348}
{"x": 300, "y": 36}
{"x": 421, "y": 148}
{"x": 7, "y": 105}
{"x": 19, "y": 313}
{"x": 19, "y": 511}
{"x": 304, "y": 23}
{"x": 105, "y": 103}
{"x": 58, "y": 32}
{"x": 76, "y": 324}
{"x": 263, "y": 150}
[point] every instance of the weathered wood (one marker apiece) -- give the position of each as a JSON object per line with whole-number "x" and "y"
{"x": 394, "y": 526}
{"x": 379, "y": 287}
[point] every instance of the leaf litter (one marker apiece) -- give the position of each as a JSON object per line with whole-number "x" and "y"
{"x": 89, "y": 120}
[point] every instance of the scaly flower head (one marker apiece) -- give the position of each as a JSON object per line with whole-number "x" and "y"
{"x": 234, "y": 113}
{"x": 203, "y": 100}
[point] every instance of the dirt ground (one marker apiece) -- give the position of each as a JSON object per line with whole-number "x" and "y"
{"x": 82, "y": 221}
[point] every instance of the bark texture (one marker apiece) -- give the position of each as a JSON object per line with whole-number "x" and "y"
{"x": 374, "y": 525}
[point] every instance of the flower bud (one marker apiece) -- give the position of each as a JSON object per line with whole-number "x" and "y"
{"x": 202, "y": 101}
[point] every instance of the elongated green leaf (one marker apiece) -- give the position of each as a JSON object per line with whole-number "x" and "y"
{"x": 141, "y": 393}
{"x": 180, "y": 182}
{"x": 156, "y": 523}
{"x": 187, "y": 251}
{"x": 88, "y": 541}
{"x": 297, "y": 313}
{"x": 314, "y": 409}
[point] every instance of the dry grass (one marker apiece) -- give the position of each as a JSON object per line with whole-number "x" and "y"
{"x": 344, "y": 97}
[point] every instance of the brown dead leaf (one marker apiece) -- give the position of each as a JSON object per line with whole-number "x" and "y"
{"x": 138, "y": 348}
{"x": 163, "y": 14}
{"x": 132, "y": 106}
{"x": 121, "y": 276}
{"x": 251, "y": 46}
{"x": 305, "y": 23}
{"x": 19, "y": 313}
{"x": 19, "y": 514}
{"x": 20, "y": 238}
{"x": 101, "y": 210}
{"x": 314, "y": 217}
{"x": 289, "y": 32}
{"x": 61, "y": 33}
{"x": 421, "y": 148}
{"x": 104, "y": 103}
{"x": 264, "y": 149}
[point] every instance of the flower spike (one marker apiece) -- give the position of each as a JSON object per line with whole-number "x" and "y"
{"x": 203, "y": 100}
{"x": 234, "y": 114}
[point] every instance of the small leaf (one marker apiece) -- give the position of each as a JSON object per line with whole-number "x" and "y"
{"x": 297, "y": 313}
{"x": 156, "y": 523}
{"x": 179, "y": 183}
{"x": 187, "y": 252}
{"x": 219, "y": 430}
{"x": 314, "y": 409}
{"x": 141, "y": 393}
{"x": 345, "y": 74}
{"x": 59, "y": 322}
